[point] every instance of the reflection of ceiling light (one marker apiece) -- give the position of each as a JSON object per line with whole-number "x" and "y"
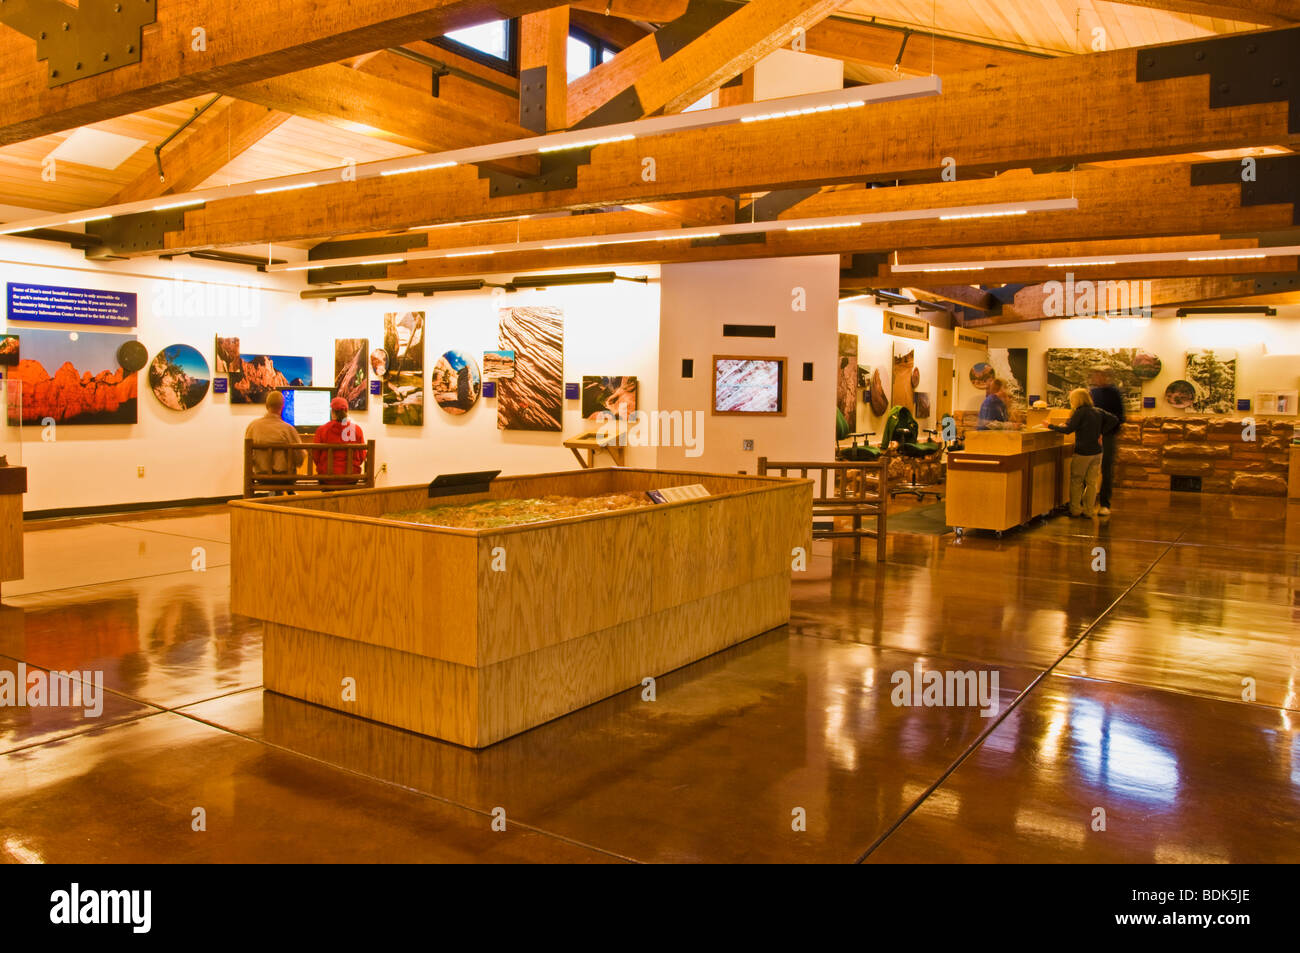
{"x": 718, "y": 231}
{"x": 186, "y": 204}
{"x": 92, "y": 218}
{"x": 809, "y": 104}
{"x": 1223, "y": 257}
{"x": 477, "y": 221}
{"x": 818, "y": 228}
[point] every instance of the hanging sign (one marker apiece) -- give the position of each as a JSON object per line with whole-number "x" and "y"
{"x": 972, "y": 339}
{"x": 906, "y": 326}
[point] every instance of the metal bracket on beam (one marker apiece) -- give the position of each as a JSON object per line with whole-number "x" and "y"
{"x": 768, "y": 208}
{"x": 1276, "y": 180}
{"x": 747, "y": 238}
{"x": 532, "y": 99}
{"x": 559, "y": 171}
{"x": 700, "y": 16}
{"x": 86, "y": 40}
{"x": 325, "y": 276}
{"x": 139, "y": 232}
{"x": 1275, "y": 284}
{"x": 356, "y": 247}
{"x": 1245, "y": 69}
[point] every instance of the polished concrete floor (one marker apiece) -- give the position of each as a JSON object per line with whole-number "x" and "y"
{"x": 1147, "y": 711}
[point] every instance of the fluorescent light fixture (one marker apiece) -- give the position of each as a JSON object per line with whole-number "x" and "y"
{"x": 312, "y": 266}
{"x": 91, "y": 218}
{"x": 286, "y": 188}
{"x": 715, "y": 231}
{"x": 419, "y": 168}
{"x": 186, "y": 204}
{"x": 818, "y": 228}
{"x": 953, "y": 218}
{"x": 586, "y": 143}
{"x": 427, "y": 288}
{"x": 813, "y": 103}
{"x": 576, "y": 278}
{"x": 1280, "y": 251}
{"x": 477, "y": 221}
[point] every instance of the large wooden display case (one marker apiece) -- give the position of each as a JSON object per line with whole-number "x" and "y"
{"x": 1005, "y": 478}
{"x": 474, "y": 635}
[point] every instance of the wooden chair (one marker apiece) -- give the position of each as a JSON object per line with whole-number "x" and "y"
{"x": 855, "y": 489}
{"x": 305, "y": 476}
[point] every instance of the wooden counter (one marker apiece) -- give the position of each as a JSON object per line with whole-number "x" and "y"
{"x": 1293, "y": 482}
{"x": 13, "y": 484}
{"x": 1005, "y": 478}
{"x": 474, "y": 635}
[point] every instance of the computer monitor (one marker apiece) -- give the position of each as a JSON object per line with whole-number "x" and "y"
{"x": 306, "y": 408}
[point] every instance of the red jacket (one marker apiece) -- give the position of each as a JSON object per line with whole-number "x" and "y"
{"x": 336, "y": 461}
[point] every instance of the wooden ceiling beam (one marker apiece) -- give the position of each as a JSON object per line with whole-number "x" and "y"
{"x": 1266, "y": 12}
{"x": 1031, "y": 304}
{"x": 654, "y": 76}
{"x": 922, "y": 53}
{"x": 236, "y": 127}
{"x": 1005, "y": 118}
{"x": 543, "y": 76}
{"x": 617, "y": 32}
{"x": 247, "y": 42}
{"x": 360, "y": 102}
{"x": 647, "y": 11}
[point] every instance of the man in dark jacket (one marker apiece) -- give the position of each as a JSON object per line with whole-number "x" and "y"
{"x": 1106, "y": 396}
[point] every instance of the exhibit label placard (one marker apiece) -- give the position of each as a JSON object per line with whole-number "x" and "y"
{"x": 906, "y": 326}
{"x": 973, "y": 339}
{"x": 53, "y": 304}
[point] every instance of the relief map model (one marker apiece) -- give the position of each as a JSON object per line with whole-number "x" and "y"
{"x": 492, "y": 514}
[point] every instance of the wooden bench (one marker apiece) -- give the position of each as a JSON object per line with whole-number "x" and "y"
{"x": 854, "y": 489}
{"x": 305, "y": 476}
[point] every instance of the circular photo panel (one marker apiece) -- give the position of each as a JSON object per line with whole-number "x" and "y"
{"x": 178, "y": 376}
{"x": 379, "y": 362}
{"x": 982, "y": 374}
{"x": 916, "y": 377}
{"x": 456, "y": 382}
{"x": 879, "y": 402}
{"x": 132, "y": 356}
{"x": 1180, "y": 394}
{"x": 1146, "y": 367}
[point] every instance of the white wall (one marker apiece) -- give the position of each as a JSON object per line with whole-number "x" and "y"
{"x": 609, "y": 329}
{"x": 697, "y": 299}
{"x": 1268, "y": 349}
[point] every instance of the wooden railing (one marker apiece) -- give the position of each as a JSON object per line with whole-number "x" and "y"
{"x": 303, "y": 475}
{"x": 854, "y": 489}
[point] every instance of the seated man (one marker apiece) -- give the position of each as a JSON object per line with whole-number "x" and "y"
{"x": 271, "y": 428}
{"x": 339, "y": 430}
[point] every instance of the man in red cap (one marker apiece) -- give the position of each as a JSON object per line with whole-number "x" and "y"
{"x": 340, "y": 430}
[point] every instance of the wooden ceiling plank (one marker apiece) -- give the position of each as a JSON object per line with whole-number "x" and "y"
{"x": 1265, "y": 12}
{"x": 247, "y": 42}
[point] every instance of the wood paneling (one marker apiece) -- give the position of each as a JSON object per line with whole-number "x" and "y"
{"x": 11, "y": 536}
{"x": 443, "y": 643}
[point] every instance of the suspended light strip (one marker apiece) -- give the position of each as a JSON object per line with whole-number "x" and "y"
{"x": 419, "y": 168}
{"x": 1281, "y": 251}
{"x": 954, "y": 218}
{"x": 287, "y": 188}
{"x": 91, "y": 218}
{"x": 318, "y": 264}
{"x": 477, "y": 221}
{"x": 804, "y": 111}
{"x": 708, "y": 232}
{"x": 186, "y": 204}
{"x": 534, "y": 145}
{"x": 818, "y": 228}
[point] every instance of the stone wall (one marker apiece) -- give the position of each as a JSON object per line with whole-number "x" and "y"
{"x": 1153, "y": 449}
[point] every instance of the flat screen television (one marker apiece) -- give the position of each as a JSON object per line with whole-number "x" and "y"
{"x": 306, "y": 408}
{"x": 748, "y": 385}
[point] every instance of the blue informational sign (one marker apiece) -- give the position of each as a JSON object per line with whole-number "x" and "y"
{"x": 219, "y": 385}
{"x": 572, "y": 391}
{"x": 52, "y": 304}
{"x": 1243, "y": 403}
{"x": 489, "y": 388}
{"x": 375, "y": 388}
{"x": 1148, "y": 403}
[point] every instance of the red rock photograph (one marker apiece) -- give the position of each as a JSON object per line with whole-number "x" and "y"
{"x": 73, "y": 378}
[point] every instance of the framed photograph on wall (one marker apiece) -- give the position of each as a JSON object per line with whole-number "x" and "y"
{"x": 747, "y": 386}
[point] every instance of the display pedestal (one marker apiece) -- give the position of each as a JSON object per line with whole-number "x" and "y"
{"x": 474, "y": 635}
{"x": 13, "y": 484}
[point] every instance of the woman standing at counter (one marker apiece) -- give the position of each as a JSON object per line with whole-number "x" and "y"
{"x": 1087, "y": 423}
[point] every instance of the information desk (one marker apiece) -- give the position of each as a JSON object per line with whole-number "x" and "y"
{"x": 474, "y": 635}
{"x": 1005, "y": 478}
